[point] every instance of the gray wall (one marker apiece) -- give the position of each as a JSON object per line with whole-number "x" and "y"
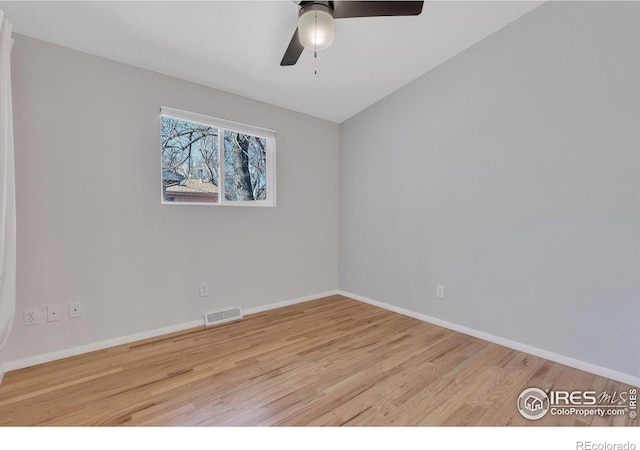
{"x": 510, "y": 174}
{"x": 90, "y": 224}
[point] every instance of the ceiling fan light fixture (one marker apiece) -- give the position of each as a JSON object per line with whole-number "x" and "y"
{"x": 315, "y": 26}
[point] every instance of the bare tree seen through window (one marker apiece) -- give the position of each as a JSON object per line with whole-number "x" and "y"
{"x": 190, "y": 163}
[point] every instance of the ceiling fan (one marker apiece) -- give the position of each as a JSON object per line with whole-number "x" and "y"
{"x": 315, "y": 22}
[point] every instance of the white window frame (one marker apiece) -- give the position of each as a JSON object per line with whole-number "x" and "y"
{"x": 227, "y": 125}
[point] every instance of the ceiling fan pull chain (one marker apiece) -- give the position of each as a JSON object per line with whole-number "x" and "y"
{"x": 315, "y": 44}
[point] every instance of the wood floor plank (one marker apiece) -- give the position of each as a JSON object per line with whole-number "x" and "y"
{"x": 328, "y": 362}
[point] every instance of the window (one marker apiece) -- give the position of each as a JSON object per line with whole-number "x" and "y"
{"x": 214, "y": 161}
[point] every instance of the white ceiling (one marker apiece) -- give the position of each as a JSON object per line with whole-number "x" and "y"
{"x": 236, "y": 46}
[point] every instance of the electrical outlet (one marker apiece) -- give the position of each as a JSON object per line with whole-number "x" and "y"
{"x": 204, "y": 289}
{"x": 75, "y": 310}
{"x": 31, "y": 316}
{"x": 440, "y": 291}
{"x": 53, "y": 313}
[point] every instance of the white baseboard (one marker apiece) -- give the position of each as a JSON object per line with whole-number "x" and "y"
{"x": 74, "y": 351}
{"x": 277, "y": 305}
{"x": 1, "y": 372}
{"x": 555, "y": 357}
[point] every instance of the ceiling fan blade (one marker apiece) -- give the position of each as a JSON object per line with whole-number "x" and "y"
{"x": 293, "y": 52}
{"x": 346, "y": 9}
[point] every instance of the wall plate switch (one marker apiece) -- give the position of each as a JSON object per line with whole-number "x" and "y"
{"x": 53, "y": 313}
{"x": 31, "y": 316}
{"x": 440, "y": 291}
{"x": 204, "y": 289}
{"x": 75, "y": 310}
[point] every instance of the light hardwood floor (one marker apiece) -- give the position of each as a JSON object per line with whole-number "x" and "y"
{"x": 333, "y": 361}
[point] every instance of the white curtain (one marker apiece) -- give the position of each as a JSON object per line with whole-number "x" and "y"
{"x": 7, "y": 188}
